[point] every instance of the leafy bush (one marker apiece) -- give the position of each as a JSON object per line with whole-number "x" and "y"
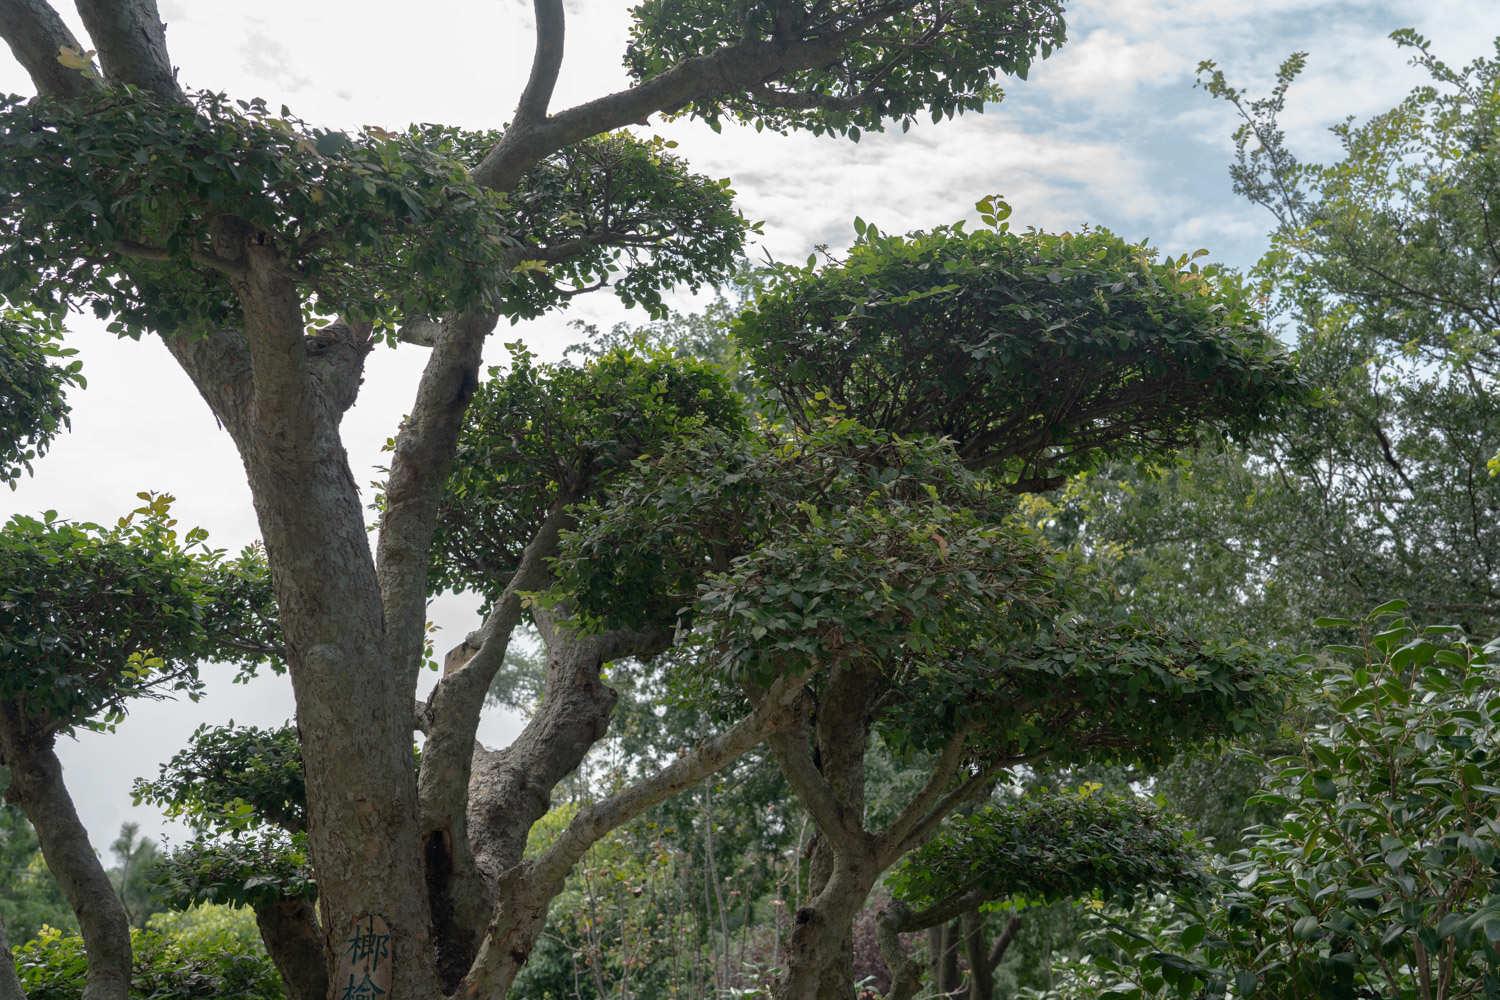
{"x": 1380, "y": 876}
{"x": 208, "y": 954}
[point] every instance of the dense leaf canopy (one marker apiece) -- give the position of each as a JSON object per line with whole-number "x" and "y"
{"x": 1034, "y": 353}
{"x": 845, "y": 545}
{"x": 35, "y": 370}
{"x": 1045, "y": 846}
{"x": 137, "y": 208}
{"x": 537, "y": 436}
{"x": 936, "y": 58}
{"x": 91, "y": 617}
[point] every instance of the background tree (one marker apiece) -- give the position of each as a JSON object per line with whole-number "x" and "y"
{"x": 91, "y": 618}
{"x": 1036, "y": 848}
{"x": 136, "y": 858}
{"x": 954, "y": 657}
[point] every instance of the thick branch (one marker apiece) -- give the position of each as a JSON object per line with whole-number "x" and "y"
{"x": 969, "y": 789}
{"x": 944, "y": 769}
{"x": 36, "y": 35}
{"x": 512, "y": 788}
{"x": 528, "y": 889}
{"x": 286, "y": 411}
{"x": 132, "y": 43}
{"x": 289, "y": 928}
{"x": 10, "y": 986}
{"x": 551, "y": 22}
{"x": 419, "y": 468}
{"x": 812, "y": 789}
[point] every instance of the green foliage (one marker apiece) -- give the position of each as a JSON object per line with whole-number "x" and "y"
{"x": 1378, "y": 876}
{"x": 242, "y": 790}
{"x": 1100, "y": 686}
{"x": 232, "y": 777}
{"x": 1383, "y": 866}
{"x": 807, "y": 528}
{"x": 92, "y": 617}
{"x": 247, "y": 869}
{"x": 29, "y": 896}
{"x": 35, "y": 370}
{"x": 929, "y": 57}
{"x": 218, "y": 966}
{"x": 136, "y": 208}
{"x": 541, "y": 435}
{"x": 1046, "y": 846}
{"x": 1035, "y": 353}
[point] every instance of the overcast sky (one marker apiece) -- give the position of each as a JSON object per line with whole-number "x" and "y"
{"x": 1108, "y": 131}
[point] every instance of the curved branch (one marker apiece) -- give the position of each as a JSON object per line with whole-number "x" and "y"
{"x": 921, "y": 804}
{"x": 976, "y": 785}
{"x": 450, "y": 718}
{"x": 36, "y": 34}
{"x": 132, "y": 43}
{"x": 735, "y": 67}
{"x": 551, "y": 22}
{"x": 594, "y": 822}
{"x": 10, "y": 985}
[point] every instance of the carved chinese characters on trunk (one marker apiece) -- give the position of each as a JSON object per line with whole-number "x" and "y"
{"x": 365, "y": 960}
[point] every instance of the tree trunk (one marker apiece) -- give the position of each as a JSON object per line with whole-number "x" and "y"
{"x": 37, "y": 787}
{"x": 841, "y": 737}
{"x": 355, "y": 710}
{"x": 10, "y": 986}
{"x": 976, "y": 948}
{"x": 817, "y": 968}
{"x": 942, "y": 949}
{"x": 290, "y": 930}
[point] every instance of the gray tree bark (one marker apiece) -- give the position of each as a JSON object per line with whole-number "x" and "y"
{"x": 36, "y": 786}
{"x": 10, "y": 985}
{"x": 354, "y": 622}
{"x": 290, "y": 930}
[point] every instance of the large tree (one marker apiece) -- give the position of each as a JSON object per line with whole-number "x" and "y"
{"x": 91, "y": 618}
{"x": 218, "y": 227}
{"x": 917, "y": 387}
{"x": 869, "y": 558}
